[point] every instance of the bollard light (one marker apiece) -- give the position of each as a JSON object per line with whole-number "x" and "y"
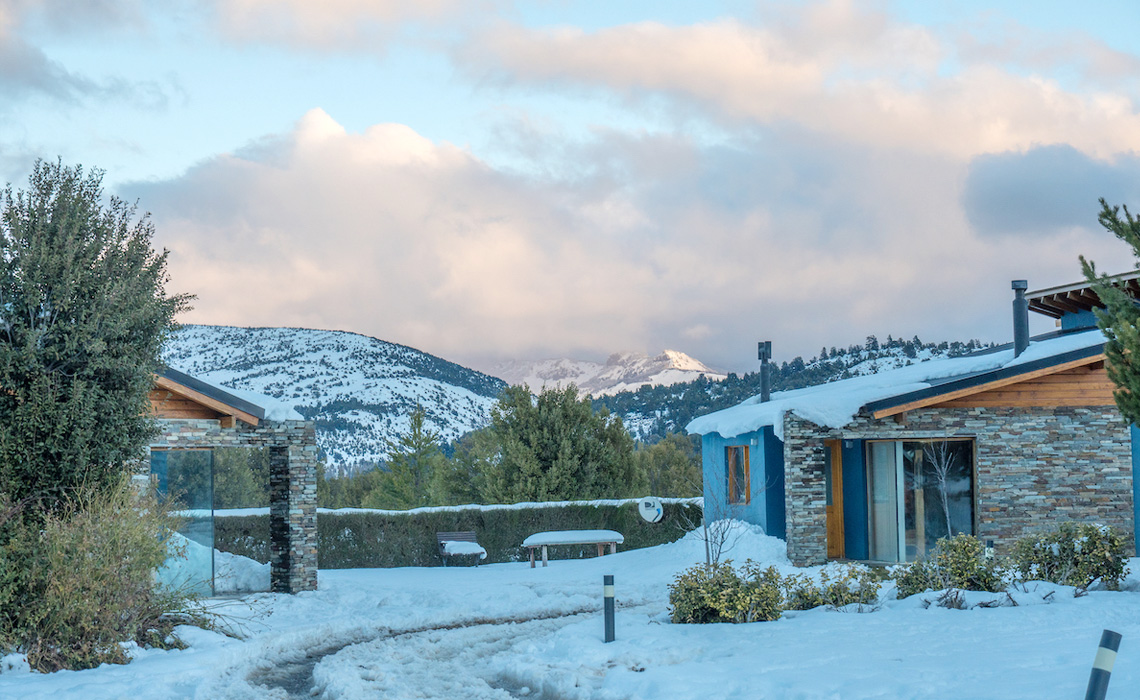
{"x": 608, "y": 596}
{"x": 1102, "y": 665}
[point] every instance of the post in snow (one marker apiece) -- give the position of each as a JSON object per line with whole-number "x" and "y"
{"x": 1102, "y": 665}
{"x": 608, "y": 594}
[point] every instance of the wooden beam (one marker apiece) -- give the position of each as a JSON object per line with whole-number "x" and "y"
{"x": 198, "y": 397}
{"x": 988, "y": 386}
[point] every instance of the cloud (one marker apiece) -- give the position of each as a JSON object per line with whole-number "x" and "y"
{"x": 334, "y": 25}
{"x": 830, "y": 68}
{"x": 26, "y": 71}
{"x": 1043, "y": 190}
{"x": 659, "y": 243}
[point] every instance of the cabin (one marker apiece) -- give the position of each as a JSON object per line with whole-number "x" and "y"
{"x": 999, "y": 444}
{"x": 195, "y": 418}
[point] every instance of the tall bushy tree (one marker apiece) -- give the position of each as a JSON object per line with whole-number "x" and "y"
{"x": 412, "y": 460}
{"x": 672, "y": 467}
{"x": 1120, "y": 319}
{"x": 83, "y": 315}
{"x": 556, "y": 447}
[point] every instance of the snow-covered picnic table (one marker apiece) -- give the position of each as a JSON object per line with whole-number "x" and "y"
{"x": 598, "y": 537}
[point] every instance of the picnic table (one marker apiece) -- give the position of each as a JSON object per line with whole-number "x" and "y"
{"x": 602, "y": 538}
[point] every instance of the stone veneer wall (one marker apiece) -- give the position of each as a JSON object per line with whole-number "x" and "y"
{"x": 1033, "y": 468}
{"x": 292, "y": 487}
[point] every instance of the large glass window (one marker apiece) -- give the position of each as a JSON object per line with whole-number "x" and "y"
{"x": 187, "y": 476}
{"x": 738, "y": 475}
{"x": 918, "y": 492}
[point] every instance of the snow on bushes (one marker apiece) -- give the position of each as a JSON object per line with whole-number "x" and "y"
{"x": 1075, "y": 554}
{"x": 718, "y": 593}
{"x": 956, "y": 562}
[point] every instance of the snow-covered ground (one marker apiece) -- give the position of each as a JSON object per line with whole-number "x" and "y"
{"x": 509, "y": 631}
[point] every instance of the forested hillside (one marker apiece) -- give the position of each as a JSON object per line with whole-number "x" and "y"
{"x": 651, "y": 412}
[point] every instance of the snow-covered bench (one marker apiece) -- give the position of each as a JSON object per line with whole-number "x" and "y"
{"x": 458, "y": 544}
{"x": 602, "y": 538}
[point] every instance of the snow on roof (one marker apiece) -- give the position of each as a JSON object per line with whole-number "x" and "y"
{"x": 836, "y": 404}
{"x": 275, "y": 410}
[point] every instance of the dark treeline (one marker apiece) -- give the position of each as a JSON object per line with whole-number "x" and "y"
{"x": 672, "y": 407}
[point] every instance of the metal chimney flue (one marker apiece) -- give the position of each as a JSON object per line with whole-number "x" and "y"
{"x": 1020, "y": 317}
{"x": 765, "y": 354}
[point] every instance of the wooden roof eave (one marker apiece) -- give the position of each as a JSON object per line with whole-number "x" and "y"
{"x": 987, "y": 386}
{"x": 211, "y": 403}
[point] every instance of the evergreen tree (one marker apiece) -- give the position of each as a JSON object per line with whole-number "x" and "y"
{"x": 672, "y": 467}
{"x": 556, "y": 447}
{"x": 83, "y": 315}
{"x": 1120, "y": 319}
{"x": 412, "y": 460}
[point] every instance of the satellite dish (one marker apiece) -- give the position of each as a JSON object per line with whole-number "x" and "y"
{"x": 651, "y": 509}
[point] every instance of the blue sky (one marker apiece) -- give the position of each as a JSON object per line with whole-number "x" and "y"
{"x": 494, "y": 180}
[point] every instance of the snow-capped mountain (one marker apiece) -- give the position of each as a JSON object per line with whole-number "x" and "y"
{"x": 626, "y": 371}
{"x": 359, "y": 390}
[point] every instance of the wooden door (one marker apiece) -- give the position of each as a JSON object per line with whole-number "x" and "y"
{"x": 833, "y": 472}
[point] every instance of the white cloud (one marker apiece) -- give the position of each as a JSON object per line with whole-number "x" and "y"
{"x": 390, "y": 234}
{"x": 860, "y": 76}
{"x": 334, "y": 25}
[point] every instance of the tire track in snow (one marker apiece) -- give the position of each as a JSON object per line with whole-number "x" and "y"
{"x": 296, "y": 678}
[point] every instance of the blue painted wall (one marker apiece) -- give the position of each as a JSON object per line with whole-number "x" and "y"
{"x": 1077, "y": 320}
{"x": 854, "y": 500}
{"x": 716, "y": 483}
{"x": 1135, "y": 485}
{"x": 774, "y": 483}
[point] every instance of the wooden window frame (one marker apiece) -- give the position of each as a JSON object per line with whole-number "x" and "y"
{"x": 730, "y": 467}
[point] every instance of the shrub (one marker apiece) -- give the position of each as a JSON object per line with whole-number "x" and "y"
{"x": 955, "y": 562}
{"x": 1075, "y": 554}
{"x": 838, "y": 586}
{"x": 76, "y": 583}
{"x": 718, "y": 593}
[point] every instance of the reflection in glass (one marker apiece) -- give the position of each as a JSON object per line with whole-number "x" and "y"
{"x": 188, "y": 477}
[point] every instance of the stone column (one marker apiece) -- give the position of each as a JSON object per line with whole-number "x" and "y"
{"x": 293, "y": 509}
{"x": 805, "y": 492}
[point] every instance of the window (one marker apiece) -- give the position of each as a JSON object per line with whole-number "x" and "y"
{"x": 918, "y": 492}
{"x": 738, "y": 475}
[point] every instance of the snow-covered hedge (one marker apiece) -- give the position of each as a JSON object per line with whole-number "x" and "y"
{"x": 360, "y": 538}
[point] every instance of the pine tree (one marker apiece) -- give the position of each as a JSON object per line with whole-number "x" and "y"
{"x": 413, "y": 459}
{"x": 83, "y": 315}
{"x": 556, "y": 447}
{"x": 1120, "y": 319}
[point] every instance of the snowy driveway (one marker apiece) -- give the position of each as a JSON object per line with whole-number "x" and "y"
{"x": 448, "y": 633}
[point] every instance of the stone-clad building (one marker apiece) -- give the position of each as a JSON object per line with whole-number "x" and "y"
{"x": 195, "y": 418}
{"x": 999, "y": 444}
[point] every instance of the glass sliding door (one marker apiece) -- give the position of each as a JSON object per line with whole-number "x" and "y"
{"x": 918, "y": 492}
{"x": 187, "y": 476}
{"x": 883, "y": 509}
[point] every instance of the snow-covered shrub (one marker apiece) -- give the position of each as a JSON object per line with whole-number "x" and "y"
{"x": 1075, "y": 554}
{"x": 718, "y": 593}
{"x": 78, "y": 582}
{"x": 841, "y": 585}
{"x": 955, "y": 562}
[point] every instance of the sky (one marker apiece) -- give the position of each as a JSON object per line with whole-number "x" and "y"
{"x": 488, "y": 180}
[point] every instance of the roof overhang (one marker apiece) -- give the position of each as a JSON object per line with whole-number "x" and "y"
{"x": 985, "y": 381}
{"x": 210, "y": 396}
{"x": 1075, "y": 298}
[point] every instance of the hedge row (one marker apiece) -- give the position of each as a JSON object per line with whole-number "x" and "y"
{"x": 355, "y": 540}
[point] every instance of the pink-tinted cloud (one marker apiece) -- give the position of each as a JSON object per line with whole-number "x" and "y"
{"x": 859, "y": 76}
{"x": 334, "y": 25}
{"x": 390, "y": 234}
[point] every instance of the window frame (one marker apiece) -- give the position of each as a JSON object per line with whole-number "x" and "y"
{"x": 733, "y": 455}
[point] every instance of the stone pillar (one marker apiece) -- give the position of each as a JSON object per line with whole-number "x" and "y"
{"x": 805, "y": 491}
{"x": 293, "y": 509}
